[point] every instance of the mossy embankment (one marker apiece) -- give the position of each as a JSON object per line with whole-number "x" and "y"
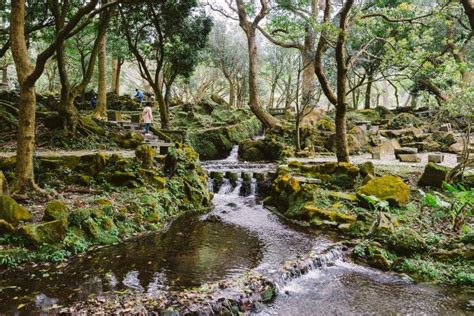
{"x": 98, "y": 199}
{"x": 414, "y": 227}
{"x": 212, "y": 129}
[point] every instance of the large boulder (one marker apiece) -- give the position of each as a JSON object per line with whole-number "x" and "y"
{"x": 56, "y": 210}
{"x": 45, "y": 233}
{"x": 12, "y": 212}
{"x": 260, "y": 150}
{"x": 387, "y": 188}
{"x": 434, "y": 175}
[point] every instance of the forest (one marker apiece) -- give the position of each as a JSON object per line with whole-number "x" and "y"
{"x": 250, "y": 157}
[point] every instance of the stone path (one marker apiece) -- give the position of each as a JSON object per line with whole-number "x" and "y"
{"x": 150, "y": 139}
{"x": 450, "y": 160}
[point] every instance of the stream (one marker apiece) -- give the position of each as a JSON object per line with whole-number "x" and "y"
{"x": 237, "y": 235}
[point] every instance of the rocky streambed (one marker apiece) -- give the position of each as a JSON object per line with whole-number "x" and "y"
{"x": 239, "y": 257}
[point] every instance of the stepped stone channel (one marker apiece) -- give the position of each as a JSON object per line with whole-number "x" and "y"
{"x": 309, "y": 269}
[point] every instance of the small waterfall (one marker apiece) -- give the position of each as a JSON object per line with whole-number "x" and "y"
{"x": 253, "y": 187}
{"x": 236, "y": 190}
{"x": 302, "y": 266}
{"x": 226, "y": 187}
{"x": 210, "y": 185}
{"x": 233, "y": 154}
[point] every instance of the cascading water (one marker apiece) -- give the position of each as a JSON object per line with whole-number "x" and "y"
{"x": 234, "y": 153}
{"x": 238, "y": 235}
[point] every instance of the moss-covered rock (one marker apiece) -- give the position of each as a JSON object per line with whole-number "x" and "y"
{"x": 367, "y": 168}
{"x": 434, "y": 175}
{"x": 145, "y": 154}
{"x": 5, "y": 227}
{"x": 384, "y": 224}
{"x": 56, "y": 210}
{"x": 407, "y": 242}
{"x": 131, "y": 140}
{"x": 387, "y": 188}
{"x": 3, "y": 184}
{"x": 44, "y": 233}
{"x": 403, "y": 120}
{"x": 328, "y": 214}
{"x": 12, "y": 212}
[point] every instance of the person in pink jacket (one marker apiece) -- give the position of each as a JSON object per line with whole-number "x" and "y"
{"x": 147, "y": 117}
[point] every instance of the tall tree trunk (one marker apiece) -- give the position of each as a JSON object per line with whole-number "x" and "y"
{"x": 164, "y": 113}
{"x": 267, "y": 120}
{"x": 5, "y": 75}
{"x": 101, "y": 108}
{"x": 24, "y": 176}
{"x": 368, "y": 91}
{"x": 307, "y": 85}
{"x": 342, "y": 151}
{"x": 231, "y": 93}
{"x": 114, "y": 73}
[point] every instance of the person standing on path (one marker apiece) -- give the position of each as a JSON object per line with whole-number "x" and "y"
{"x": 147, "y": 117}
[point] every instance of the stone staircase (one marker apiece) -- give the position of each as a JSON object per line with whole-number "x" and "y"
{"x": 151, "y": 139}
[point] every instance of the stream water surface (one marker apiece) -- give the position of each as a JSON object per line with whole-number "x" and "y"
{"x": 237, "y": 235}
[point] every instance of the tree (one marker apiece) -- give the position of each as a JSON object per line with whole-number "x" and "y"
{"x": 28, "y": 73}
{"x": 338, "y": 99}
{"x": 225, "y": 55}
{"x": 293, "y": 27}
{"x": 153, "y": 30}
{"x": 250, "y": 28}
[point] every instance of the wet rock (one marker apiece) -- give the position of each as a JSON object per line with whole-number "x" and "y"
{"x": 387, "y": 188}
{"x": 12, "y": 212}
{"x": 56, "y": 210}
{"x": 145, "y": 154}
{"x": 434, "y": 175}
{"x": 45, "y": 233}
{"x": 407, "y": 242}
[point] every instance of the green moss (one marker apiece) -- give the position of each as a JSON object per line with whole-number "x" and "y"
{"x": 387, "y": 188}
{"x": 56, "y": 210}
{"x": 434, "y": 175}
{"x": 407, "y": 242}
{"x": 45, "y": 233}
{"x": 12, "y": 212}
